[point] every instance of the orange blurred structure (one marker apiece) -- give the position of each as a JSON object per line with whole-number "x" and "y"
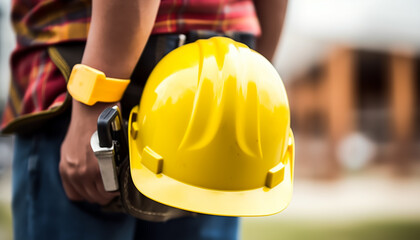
{"x": 357, "y": 91}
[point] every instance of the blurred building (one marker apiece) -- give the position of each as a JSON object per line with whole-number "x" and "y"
{"x": 372, "y": 94}
{"x": 351, "y": 69}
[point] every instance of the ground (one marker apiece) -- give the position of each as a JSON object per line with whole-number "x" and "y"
{"x": 359, "y": 207}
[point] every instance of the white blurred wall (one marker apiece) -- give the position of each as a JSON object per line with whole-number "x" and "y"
{"x": 312, "y": 27}
{"x": 6, "y": 46}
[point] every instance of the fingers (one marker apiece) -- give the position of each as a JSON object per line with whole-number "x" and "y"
{"x": 82, "y": 180}
{"x": 78, "y": 166}
{"x": 82, "y": 189}
{"x": 70, "y": 191}
{"x": 95, "y": 192}
{"x": 93, "y": 195}
{"x": 96, "y": 189}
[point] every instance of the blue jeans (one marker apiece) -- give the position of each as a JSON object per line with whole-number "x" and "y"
{"x": 41, "y": 209}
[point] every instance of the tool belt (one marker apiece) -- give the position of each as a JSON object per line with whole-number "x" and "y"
{"x": 110, "y": 141}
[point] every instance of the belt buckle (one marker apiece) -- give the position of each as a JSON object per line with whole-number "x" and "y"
{"x": 181, "y": 39}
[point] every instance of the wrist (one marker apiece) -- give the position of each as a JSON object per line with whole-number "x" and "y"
{"x": 85, "y": 118}
{"x": 80, "y": 108}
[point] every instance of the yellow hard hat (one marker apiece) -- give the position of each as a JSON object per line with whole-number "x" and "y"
{"x": 212, "y": 132}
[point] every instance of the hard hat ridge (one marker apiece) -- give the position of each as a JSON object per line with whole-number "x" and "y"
{"x": 222, "y": 73}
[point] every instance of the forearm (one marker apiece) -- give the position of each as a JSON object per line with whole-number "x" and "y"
{"x": 271, "y": 15}
{"x": 118, "y": 33}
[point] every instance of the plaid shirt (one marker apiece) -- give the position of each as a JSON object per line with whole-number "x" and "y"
{"x": 38, "y": 86}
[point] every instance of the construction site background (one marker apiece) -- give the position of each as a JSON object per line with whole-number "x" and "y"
{"x": 352, "y": 73}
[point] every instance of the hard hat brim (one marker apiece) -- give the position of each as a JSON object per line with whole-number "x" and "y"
{"x": 256, "y": 202}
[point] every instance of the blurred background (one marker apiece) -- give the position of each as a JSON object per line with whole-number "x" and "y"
{"x": 352, "y": 73}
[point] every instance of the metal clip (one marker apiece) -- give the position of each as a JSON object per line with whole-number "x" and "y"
{"x": 110, "y": 146}
{"x": 106, "y": 160}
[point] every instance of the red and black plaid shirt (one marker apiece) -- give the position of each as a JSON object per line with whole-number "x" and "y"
{"x": 37, "y": 85}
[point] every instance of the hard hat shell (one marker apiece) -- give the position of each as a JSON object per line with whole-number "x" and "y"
{"x": 212, "y": 132}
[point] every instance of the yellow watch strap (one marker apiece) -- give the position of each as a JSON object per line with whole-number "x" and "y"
{"x": 88, "y": 85}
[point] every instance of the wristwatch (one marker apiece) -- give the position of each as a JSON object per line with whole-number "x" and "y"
{"x": 89, "y": 85}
